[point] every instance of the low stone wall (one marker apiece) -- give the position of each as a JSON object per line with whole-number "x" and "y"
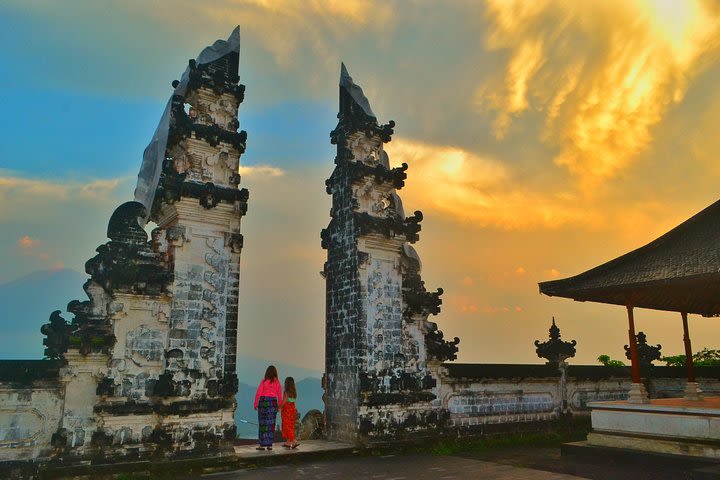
{"x": 477, "y": 396}
{"x": 471, "y": 399}
{"x": 31, "y": 403}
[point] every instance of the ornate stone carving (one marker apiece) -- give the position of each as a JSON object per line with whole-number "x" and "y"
{"x": 127, "y": 263}
{"x": 646, "y": 353}
{"x": 145, "y": 343}
{"x": 417, "y": 299}
{"x": 437, "y": 347}
{"x": 554, "y": 349}
{"x": 391, "y": 226}
{"x": 57, "y": 333}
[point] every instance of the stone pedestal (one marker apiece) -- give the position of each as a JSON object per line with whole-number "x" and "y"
{"x": 693, "y": 392}
{"x": 638, "y": 394}
{"x": 669, "y": 426}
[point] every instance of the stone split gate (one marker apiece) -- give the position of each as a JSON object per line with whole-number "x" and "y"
{"x": 146, "y": 368}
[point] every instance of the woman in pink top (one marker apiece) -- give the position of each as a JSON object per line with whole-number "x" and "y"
{"x": 267, "y": 399}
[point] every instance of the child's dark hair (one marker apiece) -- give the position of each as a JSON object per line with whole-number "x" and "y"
{"x": 271, "y": 373}
{"x": 290, "y": 387}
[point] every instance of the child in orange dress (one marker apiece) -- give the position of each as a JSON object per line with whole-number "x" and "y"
{"x": 288, "y": 412}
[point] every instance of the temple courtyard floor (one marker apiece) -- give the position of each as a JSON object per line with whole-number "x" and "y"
{"x": 505, "y": 463}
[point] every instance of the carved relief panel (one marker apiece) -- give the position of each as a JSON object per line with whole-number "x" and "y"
{"x": 383, "y": 307}
{"x": 367, "y": 150}
{"x": 209, "y": 109}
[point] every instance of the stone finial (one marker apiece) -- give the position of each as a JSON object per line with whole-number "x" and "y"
{"x": 127, "y": 263}
{"x": 356, "y": 115}
{"x": 355, "y": 91}
{"x": 554, "y": 349}
{"x": 646, "y": 353}
{"x": 124, "y": 225}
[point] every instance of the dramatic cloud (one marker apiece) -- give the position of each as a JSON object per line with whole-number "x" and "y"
{"x": 54, "y": 223}
{"x": 259, "y": 171}
{"x": 32, "y": 199}
{"x": 14, "y": 186}
{"x": 480, "y": 190}
{"x": 283, "y": 27}
{"x": 603, "y": 73}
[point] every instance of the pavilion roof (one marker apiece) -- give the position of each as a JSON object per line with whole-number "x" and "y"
{"x": 679, "y": 271}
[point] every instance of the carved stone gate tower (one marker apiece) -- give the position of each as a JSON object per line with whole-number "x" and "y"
{"x": 149, "y": 359}
{"x": 380, "y": 348}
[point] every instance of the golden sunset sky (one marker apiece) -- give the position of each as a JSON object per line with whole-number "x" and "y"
{"x": 543, "y": 137}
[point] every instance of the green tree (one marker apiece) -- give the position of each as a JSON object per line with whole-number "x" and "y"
{"x": 608, "y": 362}
{"x": 703, "y": 358}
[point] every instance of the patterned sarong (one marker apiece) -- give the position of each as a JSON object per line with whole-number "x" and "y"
{"x": 288, "y": 413}
{"x": 267, "y": 411}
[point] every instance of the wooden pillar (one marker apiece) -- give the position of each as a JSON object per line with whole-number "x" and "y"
{"x": 637, "y": 393}
{"x": 688, "y": 349}
{"x": 634, "y": 362}
{"x": 692, "y": 389}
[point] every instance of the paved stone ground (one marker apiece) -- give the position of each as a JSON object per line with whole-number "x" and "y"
{"x": 603, "y": 467}
{"x": 307, "y": 446}
{"x": 402, "y": 467}
{"x": 535, "y": 463}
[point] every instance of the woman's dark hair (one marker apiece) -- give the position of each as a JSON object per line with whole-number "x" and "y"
{"x": 271, "y": 373}
{"x": 290, "y": 387}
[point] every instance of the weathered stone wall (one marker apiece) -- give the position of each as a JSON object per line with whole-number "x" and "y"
{"x": 343, "y": 315}
{"x": 480, "y": 397}
{"x": 31, "y": 398}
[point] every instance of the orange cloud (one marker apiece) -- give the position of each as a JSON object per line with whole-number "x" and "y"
{"x": 481, "y": 190}
{"x": 465, "y": 304}
{"x": 26, "y": 243}
{"x": 552, "y": 273}
{"x": 603, "y": 73}
{"x": 29, "y": 247}
{"x": 469, "y": 308}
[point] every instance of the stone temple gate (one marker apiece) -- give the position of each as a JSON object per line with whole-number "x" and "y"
{"x": 146, "y": 368}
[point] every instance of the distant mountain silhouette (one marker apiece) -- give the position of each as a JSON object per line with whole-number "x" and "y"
{"x": 26, "y": 305}
{"x": 251, "y": 370}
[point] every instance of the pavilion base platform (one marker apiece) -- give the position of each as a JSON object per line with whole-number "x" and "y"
{"x": 674, "y": 426}
{"x": 697, "y": 468}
